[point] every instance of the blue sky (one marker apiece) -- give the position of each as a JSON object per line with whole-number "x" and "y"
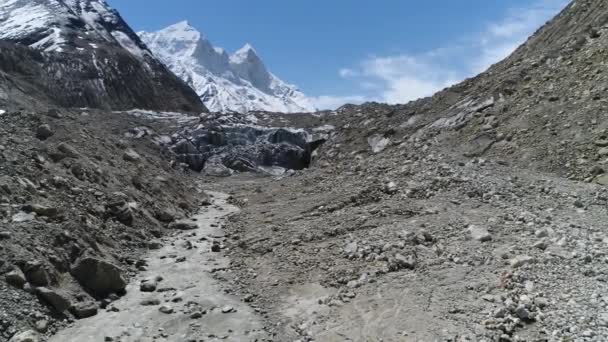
{"x": 341, "y": 51}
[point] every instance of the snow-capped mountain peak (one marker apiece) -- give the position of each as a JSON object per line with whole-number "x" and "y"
{"x": 247, "y": 51}
{"x": 239, "y": 82}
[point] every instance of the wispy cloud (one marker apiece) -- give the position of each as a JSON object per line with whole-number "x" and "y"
{"x": 405, "y": 77}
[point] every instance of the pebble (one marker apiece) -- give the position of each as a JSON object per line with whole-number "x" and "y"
{"x": 166, "y": 309}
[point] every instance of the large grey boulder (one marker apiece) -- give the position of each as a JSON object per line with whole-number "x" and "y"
{"x": 58, "y": 300}
{"x": 16, "y": 278}
{"x": 99, "y": 276}
{"x": 36, "y": 274}
{"x": 183, "y": 225}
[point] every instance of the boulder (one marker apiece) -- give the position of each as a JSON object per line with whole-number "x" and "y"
{"x": 131, "y": 156}
{"x": 183, "y": 225}
{"x": 42, "y": 210}
{"x": 16, "y": 278}
{"x": 479, "y": 233}
{"x": 44, "y": 132}
{"x": 68, "y": 150}
{"x": 36, "y": 274}
{"x": 56, "y": 299}
{"x": 148, "y": 286}
{"x": 378, "y": 143}
{"x": 84, "y": 310}
{"x": 166, "y": 215}
{"x": 26, "y": 336}
{"x": 121, "y": 211}
{"x": 99, "y": 276}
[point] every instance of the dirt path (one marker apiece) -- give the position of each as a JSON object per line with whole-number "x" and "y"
{"x": 201, "y": 310}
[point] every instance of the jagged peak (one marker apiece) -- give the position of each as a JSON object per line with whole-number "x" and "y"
{"x": 182, "y": 25}
{"x": 182, "y": 30}
{"x": 245, "y": 54}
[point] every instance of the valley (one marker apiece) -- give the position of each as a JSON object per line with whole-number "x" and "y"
{"x": 130, "y": 211}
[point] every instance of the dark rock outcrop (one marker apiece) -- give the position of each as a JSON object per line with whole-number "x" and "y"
{"x": 99, "y": 276}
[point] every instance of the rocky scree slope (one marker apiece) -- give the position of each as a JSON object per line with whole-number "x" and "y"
{"x": 239, "y": 82}
{"x": 542, "y": 107}
{"x": 82, "y": 195}
{"x": 83, "y": 54}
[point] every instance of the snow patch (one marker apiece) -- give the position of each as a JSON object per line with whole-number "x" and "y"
{"x": 128, "y": 44}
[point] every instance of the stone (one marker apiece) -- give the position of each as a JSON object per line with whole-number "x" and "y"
{"x": 351, "y": 248}
{"x": 196, "y": 315}
{"x": 68, "y": 150}
{"x": 84, "y": 310}
{"x": 166, "y": 215}
{"x": 56, "y": 299}
{"x": 120, "y": 210}
{"x": 21, "y": 217}
{"x": 166, "y": 309}
{"x": 601, "y": 179}
{"x": 54, "y": 113}
{"x": 131, "y": 156}
{"x": 603, "y": 152}
{"x": 227, "y": 309}
{"x": 521, "y": 260}
{"x": 44, "y": 132}
{"x": 148, "y": 286}
{"x": 150, "y": 302}
{"x": 378, "y": 143}
{"x": 391, "y": 188}
{"x": 99, "y": 276}
{"x": 542, "y": 244}
{"x": 42, "y": 326}
{"x": 26, "y": 336}
{"x": 523, "y": 313}
{"x": 42, "y": 210}
{"x": 601, "y": 143}
{"x": 154, "y": 245}
{"x": 479, "y": 233}
{"x": 402, "y": 262}
{"x": 16, "y": 278}
{"x": 36, "y": 274}
{"x": 183, "y": 225}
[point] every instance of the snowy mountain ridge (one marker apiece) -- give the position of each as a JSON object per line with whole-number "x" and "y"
{"x": 59, "y": 25}
{"x": 239, "y": 82}
{"x": 86, "y": 55}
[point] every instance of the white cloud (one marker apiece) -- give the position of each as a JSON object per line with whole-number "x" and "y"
{"x": 346, "y": 73}
{"x": 405, "y": 77}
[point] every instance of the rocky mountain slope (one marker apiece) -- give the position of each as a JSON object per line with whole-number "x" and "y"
{"x": 82, "y": 195}
{"x": 83, "y": 54}
{"x": 541, "y": 108}
{"x": 239, "y": 82}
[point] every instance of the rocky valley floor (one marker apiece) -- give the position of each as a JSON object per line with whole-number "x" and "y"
{"x": 441, "y": 250}
{"x": 394, "y": 244}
